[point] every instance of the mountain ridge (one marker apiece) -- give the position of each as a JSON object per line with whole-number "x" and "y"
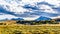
{"x": 43, "y": 18}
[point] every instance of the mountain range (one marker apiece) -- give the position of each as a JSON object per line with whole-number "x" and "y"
{"x": 17, "y": 19}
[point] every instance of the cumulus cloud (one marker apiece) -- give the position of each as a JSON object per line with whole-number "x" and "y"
{"x": 5, "y": 16}
{"x": 54, "y": 2}
{"x": 28, "y": 9}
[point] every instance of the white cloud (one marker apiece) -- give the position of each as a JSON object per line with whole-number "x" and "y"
{"x": 55, "y": 17}
{"x": 30, "y": 18}
{"x": 18, "y": 9}
{"x": 4, "y": 16}
{"x": 54, "y": 2}
{"x": 47, "y": 9}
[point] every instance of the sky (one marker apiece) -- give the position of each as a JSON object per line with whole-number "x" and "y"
{"x": 29, "y": 9}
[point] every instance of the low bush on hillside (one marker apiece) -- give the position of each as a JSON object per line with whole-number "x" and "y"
{"x": 37, "y": 22}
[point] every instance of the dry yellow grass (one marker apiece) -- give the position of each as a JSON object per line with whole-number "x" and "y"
{"x": 9, "y": 22}
{"x": 30, "y": 29}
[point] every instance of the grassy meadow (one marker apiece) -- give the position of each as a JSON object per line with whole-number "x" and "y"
{"x": 29, "y": 29}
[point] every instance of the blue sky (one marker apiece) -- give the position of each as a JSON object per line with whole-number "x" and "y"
{"x": 29, "y": 9}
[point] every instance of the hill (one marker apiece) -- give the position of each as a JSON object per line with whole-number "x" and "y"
{"x": 8, "y": 22}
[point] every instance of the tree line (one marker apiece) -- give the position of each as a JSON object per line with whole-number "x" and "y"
{"x": 37, "y": 22}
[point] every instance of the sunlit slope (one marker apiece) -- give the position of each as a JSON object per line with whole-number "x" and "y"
{"x": 8, "y": 22}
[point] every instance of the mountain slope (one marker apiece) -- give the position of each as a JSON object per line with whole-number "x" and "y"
{"x": 42, "y": 18}
{"x": 17, "y": 19}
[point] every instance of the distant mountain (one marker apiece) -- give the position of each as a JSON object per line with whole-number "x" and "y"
{"x": 17, "y": 19}
{"x": 42, "y": 18}
{"x": 57, "y": 19}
